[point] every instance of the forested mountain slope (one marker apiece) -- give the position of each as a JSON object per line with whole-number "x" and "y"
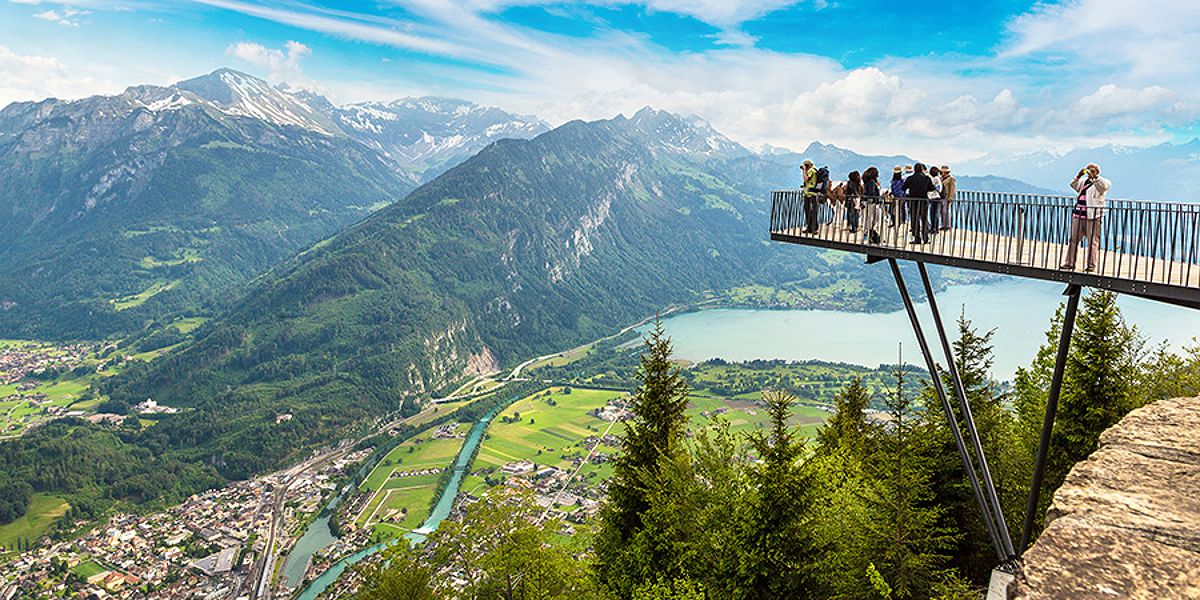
{"x": 528, "y": 247}
{"x": 119, "y": 210}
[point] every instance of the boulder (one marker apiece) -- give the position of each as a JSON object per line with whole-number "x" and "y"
{"x": 1126, "y": 522}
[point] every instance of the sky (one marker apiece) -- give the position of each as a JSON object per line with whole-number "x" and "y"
{"x": 951, "y": 79}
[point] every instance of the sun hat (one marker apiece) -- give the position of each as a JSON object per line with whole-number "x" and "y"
{"x": 897, "y": 169}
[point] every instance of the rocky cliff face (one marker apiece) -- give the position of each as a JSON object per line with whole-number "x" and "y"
{"x": 1126, "y": 523}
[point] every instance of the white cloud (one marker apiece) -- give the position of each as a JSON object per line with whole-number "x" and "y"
{"x": 1111, "y": 101}
{"x": 65, "y": 16}
{"x": 282, "y": 65}
{"x": 33, "y": 77}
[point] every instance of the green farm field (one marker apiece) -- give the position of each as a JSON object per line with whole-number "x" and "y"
{"x": 400, "y": 503}
{"x": 43, "y": 512}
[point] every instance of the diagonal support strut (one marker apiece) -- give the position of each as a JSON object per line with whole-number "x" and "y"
{"x": 1060, "y": 364}
{"x": 951, "y": 419}
{"x": 989, "y": 487}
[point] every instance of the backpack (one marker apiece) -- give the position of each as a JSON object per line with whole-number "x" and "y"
{"x": 822, "y": 184}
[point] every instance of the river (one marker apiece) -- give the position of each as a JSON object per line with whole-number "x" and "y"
{"x": 439, "y": 513}
{"x": 1020, "y": 310}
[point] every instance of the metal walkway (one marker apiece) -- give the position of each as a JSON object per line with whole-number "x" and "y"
{"x": 1147, "y": 249}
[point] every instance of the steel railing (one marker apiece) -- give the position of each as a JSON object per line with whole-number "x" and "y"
{"x": 1149, "y": 242}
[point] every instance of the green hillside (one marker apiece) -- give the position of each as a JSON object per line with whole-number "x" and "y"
{"x": 112, "y": 216}
{"x": 529, "y": 247}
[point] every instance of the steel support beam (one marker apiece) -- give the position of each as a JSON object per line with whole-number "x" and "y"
{"x": 1060, "y": 363}
{"x": 989, "y": 487}
{"x": 951, "y": 419}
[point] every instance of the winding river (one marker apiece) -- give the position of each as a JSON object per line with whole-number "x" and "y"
{"x": 439, "y": 513}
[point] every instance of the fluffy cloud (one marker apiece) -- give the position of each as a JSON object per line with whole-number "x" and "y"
{"x": 32, "y": 77}
{"x": 282, "y": 64}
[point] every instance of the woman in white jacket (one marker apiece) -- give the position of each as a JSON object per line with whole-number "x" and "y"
{"x": 1090, "y": 188}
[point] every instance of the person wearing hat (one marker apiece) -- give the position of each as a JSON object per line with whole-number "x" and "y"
{"x": 810, "y": 197}
{"x": 948, "y": 184}
{"x": 1086, "y": 216}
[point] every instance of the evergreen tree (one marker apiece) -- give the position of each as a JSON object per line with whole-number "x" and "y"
{"x": 908, "y": 545}
{"x": 1097, "y": 386}
{"x": 847, "y": 428}
{"x": 777, "y": 547}
{"x": 654, "y": 435}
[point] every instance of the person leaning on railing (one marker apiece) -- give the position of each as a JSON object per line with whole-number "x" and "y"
{"x": 1086, "y": 215}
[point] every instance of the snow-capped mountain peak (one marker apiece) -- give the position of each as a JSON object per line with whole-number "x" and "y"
{"x": 242, "y": 95}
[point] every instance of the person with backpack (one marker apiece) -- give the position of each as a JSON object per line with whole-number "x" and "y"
{"x": 917, "y": 189}
{"x": 815, "y": 196}
{"x": 854, "y": 194}
{"x": 1086, "y": 215}
{"x": 810, "y": 197}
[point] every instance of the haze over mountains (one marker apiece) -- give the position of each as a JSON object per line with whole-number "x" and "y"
{"x": 1166, "y": 172}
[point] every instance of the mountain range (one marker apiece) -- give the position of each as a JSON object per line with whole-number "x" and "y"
{"x": 527, "y": 247}
{"x": 357, "y": 259}
{"x": 1164, "y": 172}
{"x": 117, "y": 211}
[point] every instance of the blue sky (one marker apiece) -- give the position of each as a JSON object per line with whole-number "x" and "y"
{"x": 957, "y": 79}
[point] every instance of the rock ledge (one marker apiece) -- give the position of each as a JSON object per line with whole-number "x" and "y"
{"x": 1126, "y": 522}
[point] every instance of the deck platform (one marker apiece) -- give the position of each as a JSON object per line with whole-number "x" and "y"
{"x": 1147, "y": 249}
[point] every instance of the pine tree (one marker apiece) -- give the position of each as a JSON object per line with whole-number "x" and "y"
{"x": 655, "y": 434}
{"x": 1097, "y": 385}
{"x": 778, "y": 551}
{"x": 847, "y": 428}
{"x": 908, "y": 545}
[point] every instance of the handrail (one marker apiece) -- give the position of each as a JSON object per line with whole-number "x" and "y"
{"x": 1139, "y": 241}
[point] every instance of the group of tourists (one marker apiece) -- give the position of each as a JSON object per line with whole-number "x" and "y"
{"x": 924, "y": 199}
{"x": 916, "y": 196}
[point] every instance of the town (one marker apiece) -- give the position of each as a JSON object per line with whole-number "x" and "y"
{"x": 216, "y": 544}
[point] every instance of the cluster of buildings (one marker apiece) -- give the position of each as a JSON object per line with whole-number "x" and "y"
{"x": 21, "y": 360}
{"x": 617, "y": 409}
{"x": 211, "y": 546}
{"x": 198, "y": 549}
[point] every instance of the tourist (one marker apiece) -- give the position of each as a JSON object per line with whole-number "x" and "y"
{"x": 948, "y": 183}
{"x": 935, "y": 200}
{"x": 854, "y": 193}
{"x": 836, "y": 198}
{"x": 810, "y": 197}
{"x": 872, "y": 204}
{"x": 896, "y": 208}
{"x": 1086, "y": 215}
{"x": 917, "y": 189}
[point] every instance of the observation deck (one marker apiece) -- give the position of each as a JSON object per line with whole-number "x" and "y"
{"x": 1147, "y": 249}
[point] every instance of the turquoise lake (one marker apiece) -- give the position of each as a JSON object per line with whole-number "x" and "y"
{"x": 1019, "y": 310}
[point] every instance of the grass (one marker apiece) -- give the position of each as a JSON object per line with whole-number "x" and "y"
{"x": 140, "y": 298}
{"x": 179, "y": 257}
{"x": 399, "y": 504}
{"x": 88, "y": 568}
{"x": 547, "y": 434}
{"x": 42, "y": 513}
{"x": 188, "y": 324}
